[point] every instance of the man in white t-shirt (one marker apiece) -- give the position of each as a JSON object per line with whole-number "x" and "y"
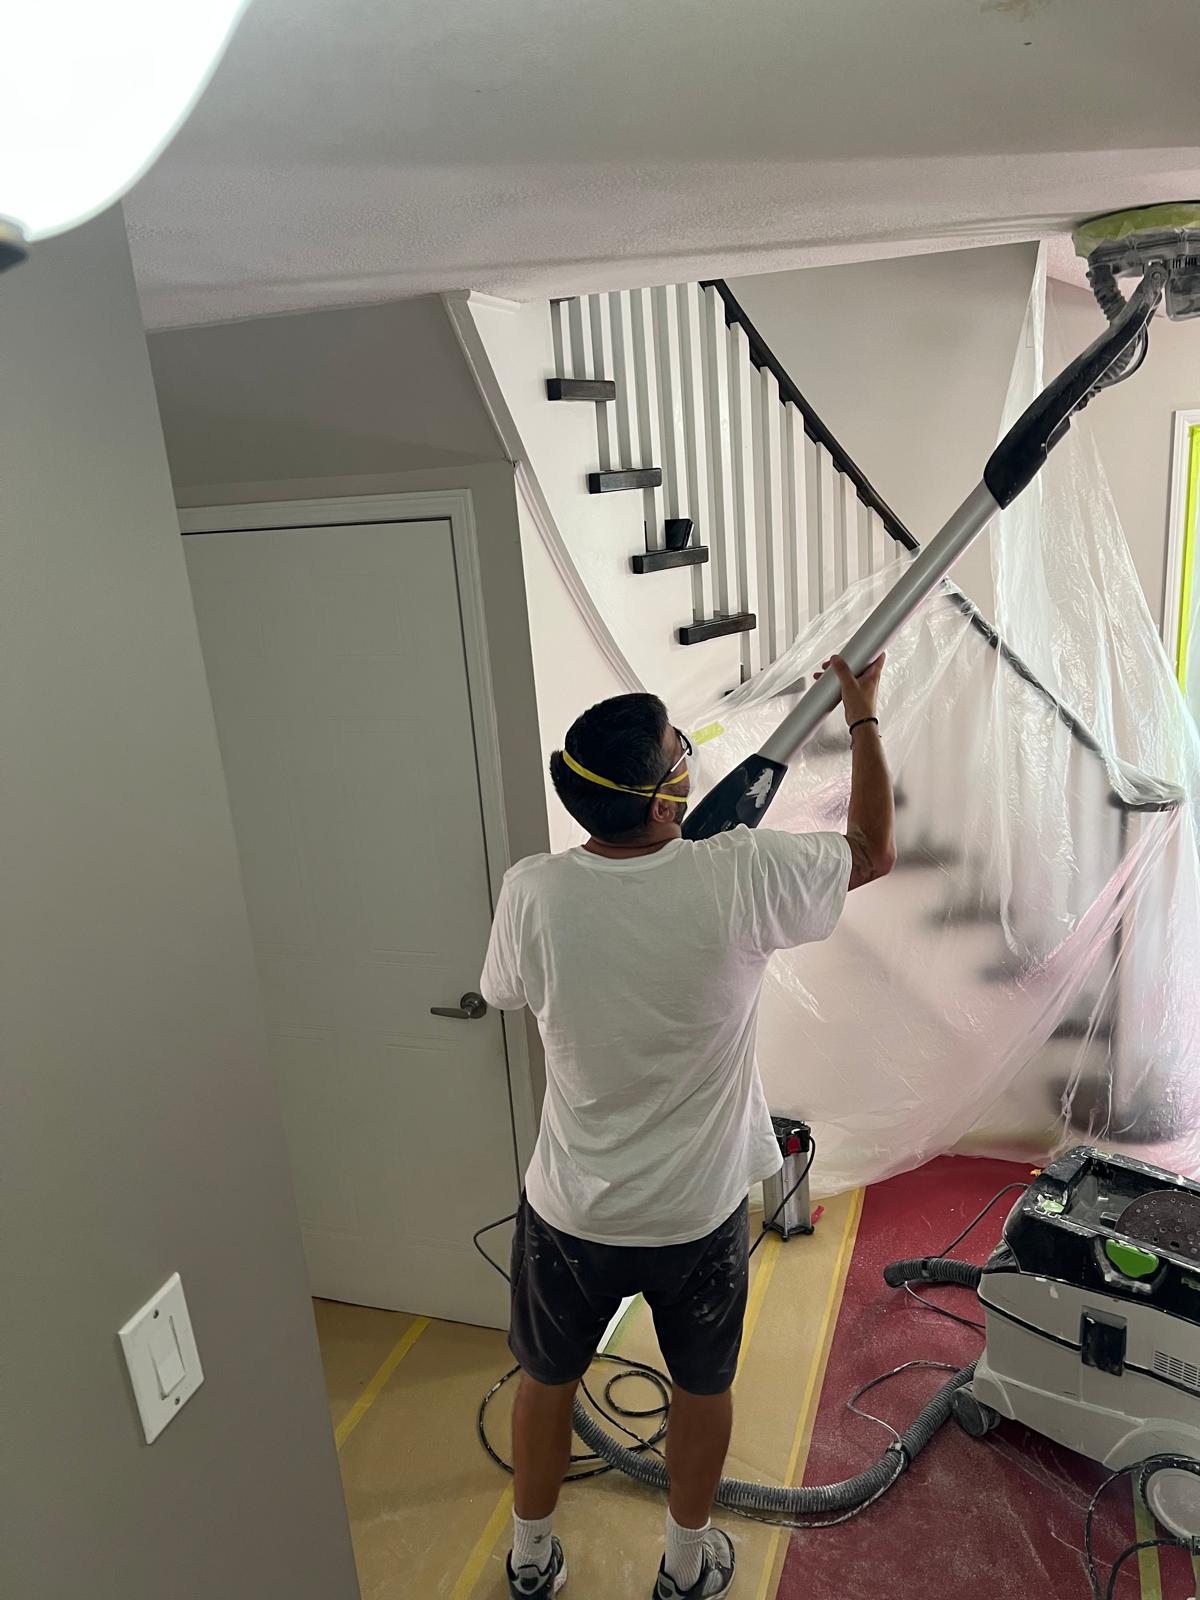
{"x": 642, "y": 955}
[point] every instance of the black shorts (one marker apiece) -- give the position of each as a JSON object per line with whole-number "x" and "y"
{"x": 566, "y": 1291}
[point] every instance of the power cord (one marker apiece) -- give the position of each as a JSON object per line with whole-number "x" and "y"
{"x": 1126, "y": 1554}
{"x": 613, "y": 1412}
{"x": 608, "y": 1407}
{"x": 1145, "y": 1467}
{"x": 618, "y": 1415}
{"x": 943, "y": 1311}
{"x": 768, "y": 1222}
{"x": 491, "y": 1228}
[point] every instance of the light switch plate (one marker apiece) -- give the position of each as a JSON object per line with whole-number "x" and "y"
{"x": 160, "y": 1352}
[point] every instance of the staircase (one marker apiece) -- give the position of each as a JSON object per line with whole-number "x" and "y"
{"x": 703, "y": 517}
{"x": 737, "y": 475}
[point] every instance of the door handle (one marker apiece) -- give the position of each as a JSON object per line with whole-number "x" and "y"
{"x": 470, "y": 1008}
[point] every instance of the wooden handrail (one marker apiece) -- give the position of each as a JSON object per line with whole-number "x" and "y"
{"x": 765, "y": 359}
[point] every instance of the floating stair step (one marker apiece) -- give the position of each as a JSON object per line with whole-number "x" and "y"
{"x": 598, "y": 390}
{"x": 716, "y": 628}
{"x": 695, "y": 555}
{"x": 615, "y": 482}
{"x": 1082, "y": 1028}
{"x": 967, "y": 914}
{"x": 1010, "y": 971}
{"x": 925, "y": 855}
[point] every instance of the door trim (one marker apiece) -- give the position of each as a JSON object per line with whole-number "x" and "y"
{"x": 456, "y": 507}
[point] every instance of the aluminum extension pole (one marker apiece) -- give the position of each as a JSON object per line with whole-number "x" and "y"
{"x": 920, "y": 579}
{"x": 742, "y": 797}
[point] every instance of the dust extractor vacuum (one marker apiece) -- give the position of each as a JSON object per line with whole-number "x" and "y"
{"x": 1091, "y": 1299}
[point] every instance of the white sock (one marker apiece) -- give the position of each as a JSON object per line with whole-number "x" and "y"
{"x": 531, "y": 1543}
{"x": 685, "y": 1552}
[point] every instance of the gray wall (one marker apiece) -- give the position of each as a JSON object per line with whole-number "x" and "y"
{"x": 377, "y": 400}
{"x": 373, "y": 400}
{"x": 331, "y": 393}
{"x": 1132, "y": 423}
{"x": 908, "y": 362}
{"x": 140, "y": 1130}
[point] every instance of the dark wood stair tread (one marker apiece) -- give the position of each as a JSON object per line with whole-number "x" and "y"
{"x": 716, "y": 628}
{"x": 631, "y": 478}
{"x": 598, "y": 390}
{"x": 927, "y": 855}
{"x": 693, "y": 555}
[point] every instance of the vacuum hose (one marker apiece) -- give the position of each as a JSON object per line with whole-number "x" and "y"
{"x": 932, "y": 1269}
{"x": 1112, "y": 302}
{"x": 824, "y": 1499}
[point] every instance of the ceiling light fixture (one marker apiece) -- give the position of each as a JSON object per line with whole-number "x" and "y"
{"x": 94, "y": 91}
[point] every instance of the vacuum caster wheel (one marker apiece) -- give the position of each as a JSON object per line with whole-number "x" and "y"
{"x": 1172, "y": 1493}
{"x": 972, "y": 1416}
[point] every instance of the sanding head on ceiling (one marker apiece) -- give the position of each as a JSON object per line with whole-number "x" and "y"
{"x": 1124, "y": 243}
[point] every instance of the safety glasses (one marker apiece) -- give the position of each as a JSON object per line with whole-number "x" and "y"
{"x": 673, "y": 775}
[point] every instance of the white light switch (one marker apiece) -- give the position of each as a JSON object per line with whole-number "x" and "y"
{"x": 164, "y": 1352}
{"x": 160, "y": 1352}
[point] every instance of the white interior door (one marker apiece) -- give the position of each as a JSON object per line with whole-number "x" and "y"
{"x": 335, "y": 659}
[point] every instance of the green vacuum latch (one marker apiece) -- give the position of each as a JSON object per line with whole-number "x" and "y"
{"x": 1127, "y": 1258}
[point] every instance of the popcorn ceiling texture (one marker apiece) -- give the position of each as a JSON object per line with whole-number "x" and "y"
{"x": 358, "y": 150}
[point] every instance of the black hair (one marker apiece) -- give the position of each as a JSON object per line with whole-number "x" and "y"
{"x": 620, "y": 739}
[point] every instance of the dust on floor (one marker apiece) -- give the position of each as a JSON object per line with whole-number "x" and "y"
{"x": 430, "y": 1514}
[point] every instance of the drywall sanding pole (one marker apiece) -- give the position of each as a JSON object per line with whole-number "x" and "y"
{"x": 743, "y": 795}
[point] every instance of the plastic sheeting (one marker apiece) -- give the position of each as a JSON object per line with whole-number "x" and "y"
{"x": 1026, "y": 978}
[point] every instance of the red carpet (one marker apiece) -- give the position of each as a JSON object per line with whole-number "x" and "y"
{"x": 996, "y": 1519}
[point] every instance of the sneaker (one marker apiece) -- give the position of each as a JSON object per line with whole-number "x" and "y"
{"x": 716, "y": 1573}
{"x": 532, "y": 1583}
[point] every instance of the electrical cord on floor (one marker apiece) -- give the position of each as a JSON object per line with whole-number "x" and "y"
{"x": 617, "y": 1415}
{"x": 583, "y": 1466}
{"x": 1145, "y": 1466}
{"x": 944, "y": 1311}
{"x": 609, "y": 1408}
{"x": 1132, "y": 1550}
{"x": 1166, "y": 1461}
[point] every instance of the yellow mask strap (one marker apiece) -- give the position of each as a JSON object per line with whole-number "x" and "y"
{"x": 644, "y": 793}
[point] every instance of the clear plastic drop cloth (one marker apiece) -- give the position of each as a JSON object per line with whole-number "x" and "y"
{"x": 1026, "y": 977}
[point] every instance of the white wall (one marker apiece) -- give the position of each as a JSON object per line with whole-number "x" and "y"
{"x": 571, "y": 670}
{"x": 515, "y": 355}
{"x": 140, "y": 1131}
{"x": 1132, "y": 422}
{"x": 908, "y": 363}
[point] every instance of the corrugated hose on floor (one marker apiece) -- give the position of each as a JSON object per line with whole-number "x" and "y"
{"x": 834, "y": 1500}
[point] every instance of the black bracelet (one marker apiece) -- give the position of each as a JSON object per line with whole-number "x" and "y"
{"x": 862, "y": 721}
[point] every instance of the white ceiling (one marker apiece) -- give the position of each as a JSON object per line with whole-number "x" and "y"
{"x": 358, "y": 150}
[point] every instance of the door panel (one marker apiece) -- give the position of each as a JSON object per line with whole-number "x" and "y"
{"x": 338, "y": 676}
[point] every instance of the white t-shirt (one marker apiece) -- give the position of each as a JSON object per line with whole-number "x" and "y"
{"x": 644, "y": 975}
